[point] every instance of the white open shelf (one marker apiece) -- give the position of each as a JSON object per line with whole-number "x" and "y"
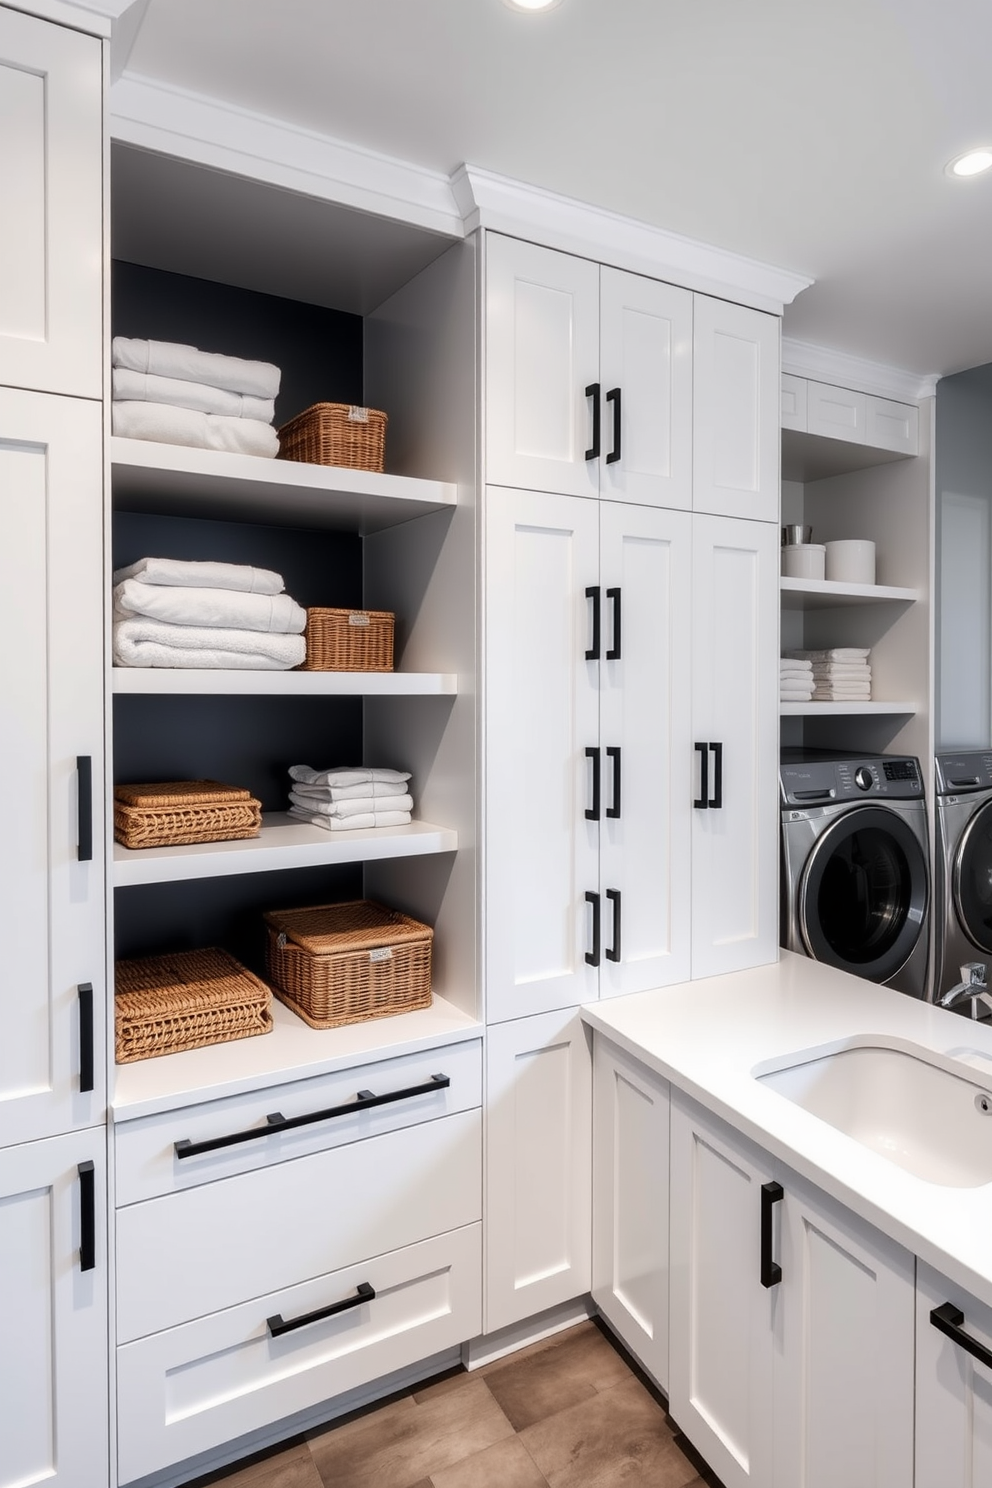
{"x": 284, "y": 842}
{"x": 208, "y": 683}
{"x": 838, "y": 710}
{"x": 172, "y": 480}
{"x": 823, "y": 594}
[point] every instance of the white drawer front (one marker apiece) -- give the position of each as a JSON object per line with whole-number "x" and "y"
{"x": 892, "y": 426}
{"x": 189, "y": 1254}
{"x": 837, "y": 412}
{"x": 147, "y": 1163}
{"x": 194, "y": 1387}
{"x": 793, "y": 402}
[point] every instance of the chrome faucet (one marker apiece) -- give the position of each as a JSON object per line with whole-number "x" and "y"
{"x": 971, "y": 989}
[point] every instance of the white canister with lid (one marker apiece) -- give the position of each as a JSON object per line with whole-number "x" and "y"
{"x": 803, "y": 561}
{"x": 851, "y": 561}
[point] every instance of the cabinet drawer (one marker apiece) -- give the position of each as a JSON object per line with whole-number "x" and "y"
{"x": 892, "y": 426}
{"x": 189, "y": 1389}
{"x": 189, "y": 1254}
{"x": 147, "y": 1163}
{"x": 837, "y": 412}
{"x": 793, "y": 402}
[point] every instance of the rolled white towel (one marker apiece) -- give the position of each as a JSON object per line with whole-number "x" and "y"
{"x": 341, "y": 775}
{"x": 354, "y": 823}
{"x": 139, "y": 387}
{"x": 356, "y": 807}
{"x": 166, "y": 424}
{"x": 141, "y": 642}
{"x": 189, "y": 574}
{"x": 231, "y": 609}
{"x": 172, "y": 359}
{"x": 376, "y": 790}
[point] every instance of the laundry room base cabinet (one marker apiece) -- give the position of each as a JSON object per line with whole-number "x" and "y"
{"x": 953, "y": 1385}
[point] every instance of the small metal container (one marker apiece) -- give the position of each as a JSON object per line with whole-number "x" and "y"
{"x": 796, "y": 534}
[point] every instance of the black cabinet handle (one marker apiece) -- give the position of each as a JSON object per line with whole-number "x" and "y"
{"x": 84, "y": 808}
{"x": 613, "y": 595}
{"x": 87, "y": 1216}
{"x": 771, "y": 1271}
{"x": 593, "y": 593}
{"x": 613, "y": 953}
{"x": 701, "y": 802}
{"x": 716, "y": 800}
{"x": 613, "y": 396}
{"x": 592, "y": 957}
{"x": 364, "y": 1101}
{"x": 613, "y": 753}
{"x": 84, "y": 993}
{"x": 278, "y": 1325}
{"x": 947, "y": 1319}
{"x": 592, "y": 391}
{"x": 592, "y": 812}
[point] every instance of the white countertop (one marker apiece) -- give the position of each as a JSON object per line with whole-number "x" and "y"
{"x": 707, "y": 1037}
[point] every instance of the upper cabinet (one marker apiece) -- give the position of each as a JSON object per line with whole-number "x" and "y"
{"x": 842, "y": 413}
{"x": 735, "y": 414}
{"x": 51, "y": 162}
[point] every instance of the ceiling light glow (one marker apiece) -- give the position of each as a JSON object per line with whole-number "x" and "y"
{"x": 532, "y": 4}
{"x": 971, "y": 164}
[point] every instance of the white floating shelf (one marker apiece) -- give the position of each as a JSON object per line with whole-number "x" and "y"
{"x": 188, "y": 682}
{"x": 823, "y": 594}
{"x": 173, "y": 480}
{"x": 284, "y": 842}
{"x": 840, "y": 710}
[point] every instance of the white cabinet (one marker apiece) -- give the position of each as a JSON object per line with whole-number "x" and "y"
{"x": 51, "y": 162}
{"x": 836, "y": 412}
{"x": 735, "y": 410}
{"x": 631, "y": 1114}
{"x": 793, "y": 402}
{"x": 953, "y": 1385}
{"x": 51, "y": 790}
{"x": 53, "y": 1363}
{"x": 846, "y": 414}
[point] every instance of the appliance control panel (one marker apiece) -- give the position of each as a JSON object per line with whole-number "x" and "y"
{"x": 967, "y": 770}
{"x": 818, "y": 780}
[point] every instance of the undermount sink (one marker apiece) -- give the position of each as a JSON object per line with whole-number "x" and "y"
{"x": 902, "y": 1101}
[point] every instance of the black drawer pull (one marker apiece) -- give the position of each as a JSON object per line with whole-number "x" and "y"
{"x": 613, "y": 595}
{"x": 716, "y": 800}
{"x": 84, "y": 992}
{"x": 84, "y": 808}
{"x": 87, "y": 1216}
{"x": 592, "y": 957}
{"x": 947, "y": 1319}
{"x": 613, "y": 753}
{"x": 613, "y": 396}
{"x": 701, "y": 802}
{"x": 592, "y": 391}
{"x": 771, "y": 1271}
{"x": 613, "y": 953}
{"x": 278, "y": 1325}
{"x": 593, "y": 812}
{"x": 593, "y": 593}
{"x": 364, "y": 1101}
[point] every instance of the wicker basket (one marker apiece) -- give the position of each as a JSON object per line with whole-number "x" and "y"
{"x": 349, "y": 641}
{"x": 335, "y": 434}
{"x": 164, "y": 1004}
{"x": 346, "y": 963}
{"x": 175, "y": 813}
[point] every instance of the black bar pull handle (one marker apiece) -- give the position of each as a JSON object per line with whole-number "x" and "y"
{"x": 613, "y": 396}
{"x": 613, "y": 753}
{"x": 593, "y": 811}
{"x": 84, "y": 993}
{"x": 613, "y": 953}
{"x": 716, "y": 800}
{"x": 613, "y": 595}
{"x": 593, "y": 593}
{"x": 701, "y": 802}
{"x": 592, "y": 957}
{"x": 771, "y": 1271}
{"x": 365, "y": 1100}
{"x": 947, "y": 1319}
{"x": 278, "y": 1324}
{"x": 87, "y": 1216}
{"x": 592, "y": 391}
{"x": 84, "y": 808}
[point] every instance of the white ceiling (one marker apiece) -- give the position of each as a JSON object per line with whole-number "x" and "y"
{"x": 809, "y": 134}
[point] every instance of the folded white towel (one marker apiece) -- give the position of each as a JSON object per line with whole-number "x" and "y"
{"x": 856, "y": 669}
{"x": 141, "y": 642}
{"x": 171, "y": 359}
{"x": 795, "y": 663}
{"x": 341, "y": 775}
{"x": 834, "y": 653}
{"x": 368, "y": 790}
{"x": 354, "y": 823}
{"x": 277, "y": 614}
{"x": 139, "y": 387}
{"x": 795, "y": 694}
{"x": 187, "y": 574}
{"x": 357, "y": 807}
{"x": 842, "y": 695}
{"x": 168, "y": 425}
{"x": 785, "y": 675}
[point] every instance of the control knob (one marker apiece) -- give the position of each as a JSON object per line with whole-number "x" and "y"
{"x": 863, "y": 778}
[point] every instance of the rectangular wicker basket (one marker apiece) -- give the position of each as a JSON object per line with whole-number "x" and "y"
{"x": 336, "y": 434}
{"x": 164, "y": 1004}
{"x": 349, "y": 641}
{"x": 346, "y": 963}
{"x": 174, "y": 813}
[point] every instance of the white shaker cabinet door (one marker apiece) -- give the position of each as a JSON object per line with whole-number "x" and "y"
{"x": 542, "y": 352}
{"x": 51, "y": 723}
{"x": 54, "y": 1424}
{"x": 736, "y": 410}
{"x": 51, "y": 163}
{"x": 953, "y": 1385}
{"x": 542, "y": 716}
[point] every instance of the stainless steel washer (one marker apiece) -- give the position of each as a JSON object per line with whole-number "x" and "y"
{"x": 855, "y": 865}
{"x": 963, "y": 863}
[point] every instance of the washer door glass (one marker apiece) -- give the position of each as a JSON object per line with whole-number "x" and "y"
{"x": 973, "y": 879}
{"x": 863, "y": 896}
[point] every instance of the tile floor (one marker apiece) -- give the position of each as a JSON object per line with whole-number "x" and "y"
{"x": 570, "y": 1412}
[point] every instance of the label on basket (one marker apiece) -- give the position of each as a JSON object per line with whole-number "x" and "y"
{"x": 359, "y": 620}
{"x": 281, "y": 940}
{"x": 381, "y": 953}
{"x": 358, "y": 415}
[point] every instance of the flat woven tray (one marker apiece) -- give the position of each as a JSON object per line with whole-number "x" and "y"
{"x": 336, "y": 434}
{"x": 174, "y": 813}
{"x": 164, "y": 1004}
{"x": 349, "y": 641}
{"x": 346, "y": 963}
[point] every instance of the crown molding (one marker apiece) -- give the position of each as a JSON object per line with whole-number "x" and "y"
{"x": 841, "y": 370}
{"x": 492, "y": 201}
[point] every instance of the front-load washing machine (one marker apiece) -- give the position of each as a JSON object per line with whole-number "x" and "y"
{"x": 963, "y": 864}
{"x": 855, "y": 865}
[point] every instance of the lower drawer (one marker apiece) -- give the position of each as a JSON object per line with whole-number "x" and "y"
{"x": 195, "y": 1387}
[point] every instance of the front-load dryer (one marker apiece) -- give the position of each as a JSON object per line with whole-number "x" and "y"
{"x": 963, "y": 864}
{"x": 855, "y": 864}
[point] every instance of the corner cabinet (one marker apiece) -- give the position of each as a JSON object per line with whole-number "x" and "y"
{"x": 953, "y": 1385}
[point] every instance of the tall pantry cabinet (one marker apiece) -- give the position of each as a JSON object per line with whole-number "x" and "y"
{"x": 53, "y": 1250}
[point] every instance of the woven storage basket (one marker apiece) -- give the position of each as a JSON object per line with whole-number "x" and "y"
{"x": 175, "y": 813}
{"x": 349, "y": 641}
{"x": 336, "y": 434}
{"x": 346, "y": 963}
{"x": 164, "y": 1004}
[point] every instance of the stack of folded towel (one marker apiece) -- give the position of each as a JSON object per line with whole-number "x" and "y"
{"x": 172, "y": 613}
{"x": 348, "y": 797}
{"x": 178, "y": 395}
{"x": 840, "y": 674}
{"x": 795, "y": 680}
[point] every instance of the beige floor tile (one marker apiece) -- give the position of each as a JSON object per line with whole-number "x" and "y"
{"x": 620, "y": 1435}
{"x": 573, "y": 1368}
{"x": 535, "y": 1348}
{"x": 293, "y": 1468}
{"x": 508, "y": 1464}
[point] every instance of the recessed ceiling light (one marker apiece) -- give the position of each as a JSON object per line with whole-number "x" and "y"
{"x": 532, "y": 4}
{"x": 971, "y": 164}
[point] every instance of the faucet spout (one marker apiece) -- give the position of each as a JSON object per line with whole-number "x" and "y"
{"x": 972, "y": 989}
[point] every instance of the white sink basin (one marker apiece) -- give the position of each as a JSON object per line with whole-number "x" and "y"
{"x": 904, "y": 1102}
